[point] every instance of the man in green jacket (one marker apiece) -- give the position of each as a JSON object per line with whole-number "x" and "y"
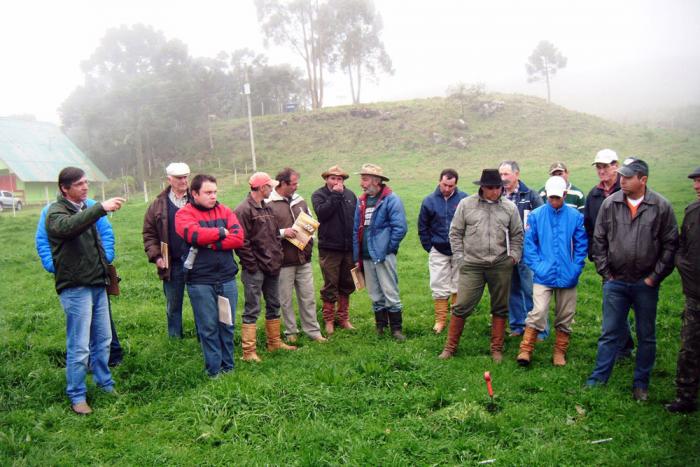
{"x": 81, "y": 280}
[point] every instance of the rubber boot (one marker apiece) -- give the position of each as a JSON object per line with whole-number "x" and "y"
{"x": 274, "y": 341}
{"x": 441, "y": 305}
{"x": 453, "y": 299}
{"x": 248, "y": 336}
{"x": 328, "y": 317}
{"x": 396, "y": 323}
{"x": 527, "y": 346}
{"x": 560, "y": 346}
{"x": 454, "y": 332}
{"x": 498, "y": 334}
{"x": 381, "y": 318}
{"x": 344, "y": 312}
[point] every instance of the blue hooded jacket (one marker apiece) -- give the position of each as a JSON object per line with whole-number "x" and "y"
{"x": 556, "y": 246}
{"x": 387, "y": 229}
{"x": 43, "y": 248}
{"x": 434, "y": 220}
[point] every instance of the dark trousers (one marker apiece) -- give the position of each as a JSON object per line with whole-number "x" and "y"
{"x": 473, "y": 279}
{"x": 116, "y": 354}
{"x": 688, "y": 372}
{"x": 256, "y": 284}
{"x": 337, "y": 280}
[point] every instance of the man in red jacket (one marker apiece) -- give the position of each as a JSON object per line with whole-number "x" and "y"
{"x": 211, "y": 230}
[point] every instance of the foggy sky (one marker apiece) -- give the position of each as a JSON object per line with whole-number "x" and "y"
{"x": 624, "y": 57}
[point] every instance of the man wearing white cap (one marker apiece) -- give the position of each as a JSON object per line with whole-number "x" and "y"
{"x": 605, "y": 163}
{"x": 555, "y": 250}
{"x": 159, "y": 230}
{"x": 261, "y": 259}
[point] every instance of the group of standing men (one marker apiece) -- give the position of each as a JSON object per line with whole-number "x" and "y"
{"x": 503, "y": 236}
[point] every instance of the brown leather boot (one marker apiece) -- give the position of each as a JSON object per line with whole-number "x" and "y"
{"x": 441, "y": 306}
{"x": 274, "y": 341}
{"x": 527, "y": 346}
{"x": 454, "y": 332}
{"x": 248, "y": 336}
{"x": 560, "y": 346}
{"x": 498, "y": 335}
{"x": 328, "y": 317}
{"x": 344, "y": 312}
{"x": 453, "y": 299}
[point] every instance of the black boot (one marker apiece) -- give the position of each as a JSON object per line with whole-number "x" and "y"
{"x": 681, "y": 406}
{"x": 396, "y": 321}
{"x": 382, "y": 319}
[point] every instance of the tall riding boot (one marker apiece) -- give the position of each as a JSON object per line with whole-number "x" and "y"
{"x": 396, "y": 321}
{"x": 248, "y": 336}
{"x": 527, "y": 346}
{"x": 344, "y": 312}
{"x": 498, "y": 334}
{"x": 381, "y": 318}
{"x": 274, "y": 341}
{"x": 441, "y": 305}
{"x": 328, "y": 316}
{"x": 454, "y": 332}
{"x": 560, "y": 346}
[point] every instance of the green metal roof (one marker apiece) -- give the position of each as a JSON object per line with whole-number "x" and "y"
{"x": 37, "y": 151}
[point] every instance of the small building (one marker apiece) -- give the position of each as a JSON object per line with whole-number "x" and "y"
{"x": 31, "y": 156}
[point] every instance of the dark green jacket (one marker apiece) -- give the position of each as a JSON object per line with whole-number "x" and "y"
{"x": 78, "y": 256}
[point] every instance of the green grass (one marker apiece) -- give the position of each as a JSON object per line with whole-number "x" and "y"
{"x": 358, "y": 399}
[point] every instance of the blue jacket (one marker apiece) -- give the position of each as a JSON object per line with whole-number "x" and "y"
{"x": 386, "y": 230}
{"x": 525, "y": 199}
{"x": 555, "y": 246}
{"x": 434, "y": 220}
{"x": 43, "y": 248}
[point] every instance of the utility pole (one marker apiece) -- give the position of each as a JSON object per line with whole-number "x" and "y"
{"x": 246, "y": 91}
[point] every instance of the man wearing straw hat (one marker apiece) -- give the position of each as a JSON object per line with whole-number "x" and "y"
{"x": 334, "y": 204}
{"x": 379, "y": 227}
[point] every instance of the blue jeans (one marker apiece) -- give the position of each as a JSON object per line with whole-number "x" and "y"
{"x": 618, "y": 298}
{"x": 520, "y": 301}
{"x": 382, "y": 284}
{"x": 174, "y": 290}
{"x": 88, "y": 335}
{"x": 215, "y": 337}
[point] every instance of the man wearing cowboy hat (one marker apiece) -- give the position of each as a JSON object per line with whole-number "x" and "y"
{"x": 434, "y": 220}
{"x": 379, "y": 227}
{"x": 486, "y": 236}
{"x": 334, "y": 205}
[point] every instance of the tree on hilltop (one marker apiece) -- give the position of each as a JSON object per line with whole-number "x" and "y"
{"x": 544, "y": 62}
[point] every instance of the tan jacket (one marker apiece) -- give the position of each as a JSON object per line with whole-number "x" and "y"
{"x": 484, "y": 233}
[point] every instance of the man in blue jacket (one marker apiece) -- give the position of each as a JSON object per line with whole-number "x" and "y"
{"x": 104, "y": 229}
{"x": 434, "y": 221}
{"x": 555, "y": 249}
{"x": 379, "y": 227}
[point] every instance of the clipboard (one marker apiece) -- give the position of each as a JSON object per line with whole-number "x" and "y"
{"x": 358, "y": 278}
{"x": 225, "y": 315}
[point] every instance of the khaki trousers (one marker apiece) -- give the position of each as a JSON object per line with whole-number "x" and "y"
{"x": 301, "y": 279}
{"x": 564, "y": 310}
{"x": 473, "y": 279}
{"x": 444, "y": 274}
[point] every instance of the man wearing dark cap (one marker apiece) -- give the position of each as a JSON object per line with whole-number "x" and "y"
{"x": 378, "y": 228}
{"x": 688, "y": 263}
{"x": 486, "y": 236}
{"x": 334, "y": 204}
{"x": 634, "y": 244}
{"x": 574, "y": 196}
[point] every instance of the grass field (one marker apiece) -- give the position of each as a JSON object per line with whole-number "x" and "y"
{"x": 358, "y": 399}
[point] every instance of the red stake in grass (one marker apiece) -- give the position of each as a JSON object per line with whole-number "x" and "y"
{"x": 487, "y": 378}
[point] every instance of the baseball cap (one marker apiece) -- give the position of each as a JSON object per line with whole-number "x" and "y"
{"x": 555, "y": 186}
{"x": 633, "y": 166}
{"x": 259, "y": 179}
{"x": 558, "y": 165}
{"x": 605, "y": 156}
{"x": 177, "y": 169}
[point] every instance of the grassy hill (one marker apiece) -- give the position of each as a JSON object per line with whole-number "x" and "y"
{"x": 358, "y": 399}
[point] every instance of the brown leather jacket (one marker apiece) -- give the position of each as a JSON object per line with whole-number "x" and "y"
{"x": 262, "y": 249}
{"x": 286, "y": 212}
{"x": 632, "y": 249}
{"x": 155, "y": 230}
{"x": 688, "y": 257}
